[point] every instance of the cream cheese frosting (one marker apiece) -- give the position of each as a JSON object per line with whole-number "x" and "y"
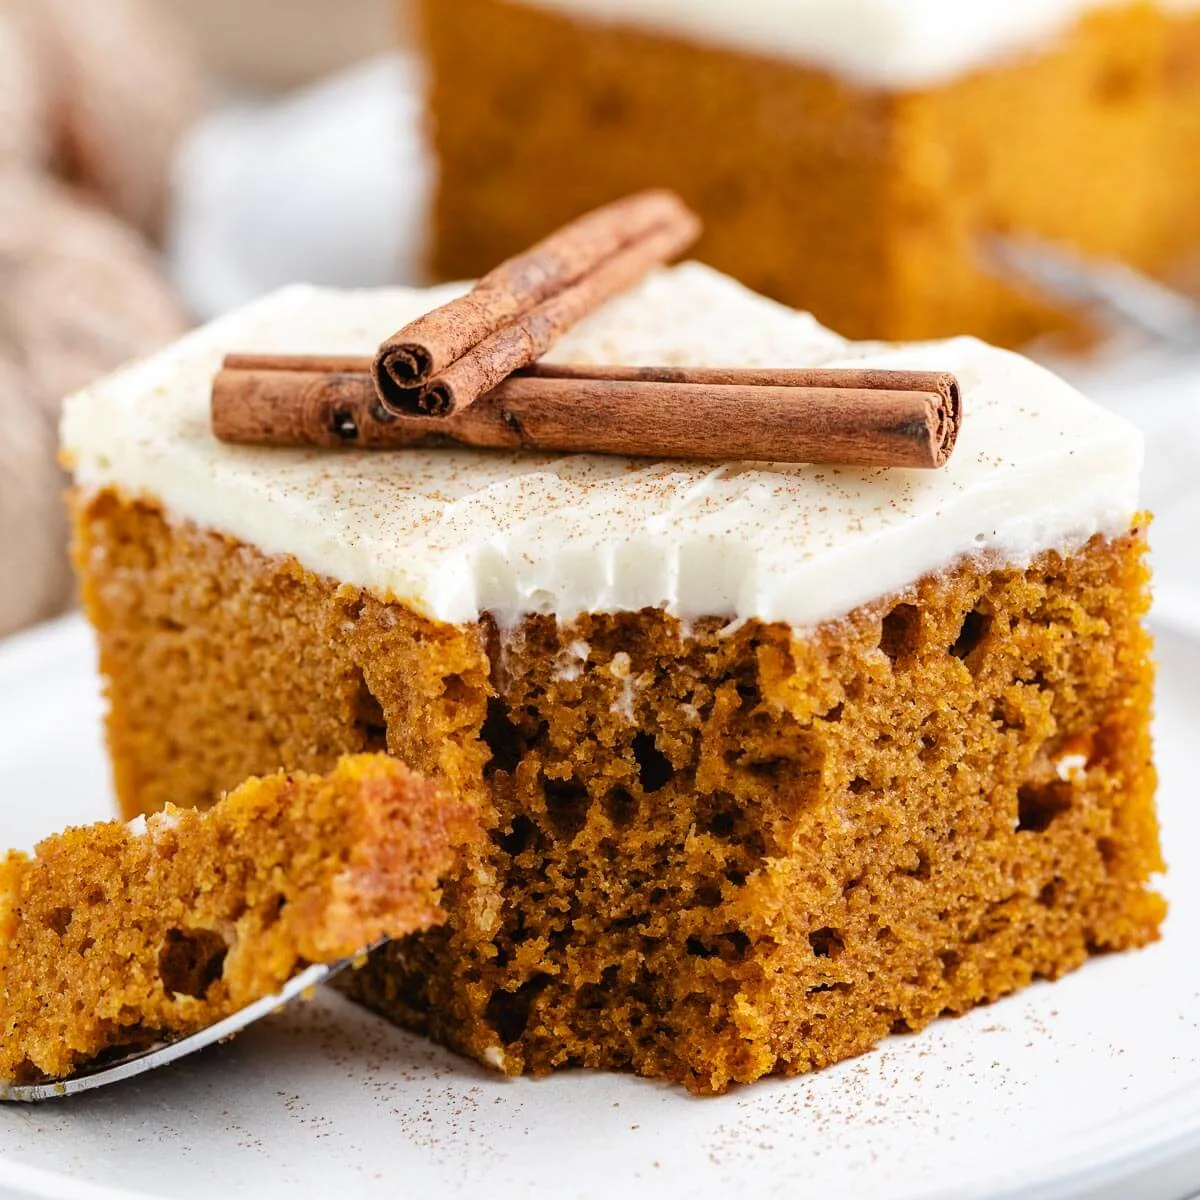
{"x": 893, "y": 44}
{"x": 457, "y": 533}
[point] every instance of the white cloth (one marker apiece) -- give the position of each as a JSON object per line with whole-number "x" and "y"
{"x": 326, "y": 186}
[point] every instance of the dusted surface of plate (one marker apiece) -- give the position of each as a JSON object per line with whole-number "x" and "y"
{"x": 1093, "y": 1082}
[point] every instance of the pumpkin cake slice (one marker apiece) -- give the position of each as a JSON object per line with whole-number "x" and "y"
{"x": 853, "y": 159}
{"x": 114, "y": 937}
{"x": 772, "y": 759}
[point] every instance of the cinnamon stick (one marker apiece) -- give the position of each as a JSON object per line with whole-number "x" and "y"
{"x": 870, "y": 418}
{"x": 444, "y": 361}
{"x": 873, "y": 378}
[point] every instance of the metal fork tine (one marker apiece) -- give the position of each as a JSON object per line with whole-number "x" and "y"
{"x": 1120, "y": 294}
{"x": 163, "y": 1053}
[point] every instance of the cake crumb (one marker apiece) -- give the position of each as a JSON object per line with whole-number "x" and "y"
{"x": 571, "y": 661}
{"x": 621, "y": 668}
{"x": 1070, "y": 767}
{"x": 313, "y": 868}
{"x": 168, "y": 818}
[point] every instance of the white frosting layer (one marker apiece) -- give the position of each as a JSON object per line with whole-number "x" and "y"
{"x": 455, "y": 533}
{"x": 892, "y": 44}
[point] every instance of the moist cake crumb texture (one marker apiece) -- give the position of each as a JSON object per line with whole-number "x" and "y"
{"x": 710, "y": 855}
{"x": 115, "y": 937}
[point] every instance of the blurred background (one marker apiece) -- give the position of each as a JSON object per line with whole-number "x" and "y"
{"x": 162, "y": 161}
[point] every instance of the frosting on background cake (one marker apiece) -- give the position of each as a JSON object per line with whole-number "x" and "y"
{"x": 457, "y": 533}
{"x": 886, "y": 43}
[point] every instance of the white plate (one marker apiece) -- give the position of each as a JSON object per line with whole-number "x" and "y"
{"x": 1090, "y": 1086}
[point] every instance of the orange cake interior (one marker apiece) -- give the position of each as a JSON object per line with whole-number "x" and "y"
{"x": 794, "y": 847}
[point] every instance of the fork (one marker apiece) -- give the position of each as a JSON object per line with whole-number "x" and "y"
{"x": 161, "y": 1053}
{"x": 1112, "y": 290}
